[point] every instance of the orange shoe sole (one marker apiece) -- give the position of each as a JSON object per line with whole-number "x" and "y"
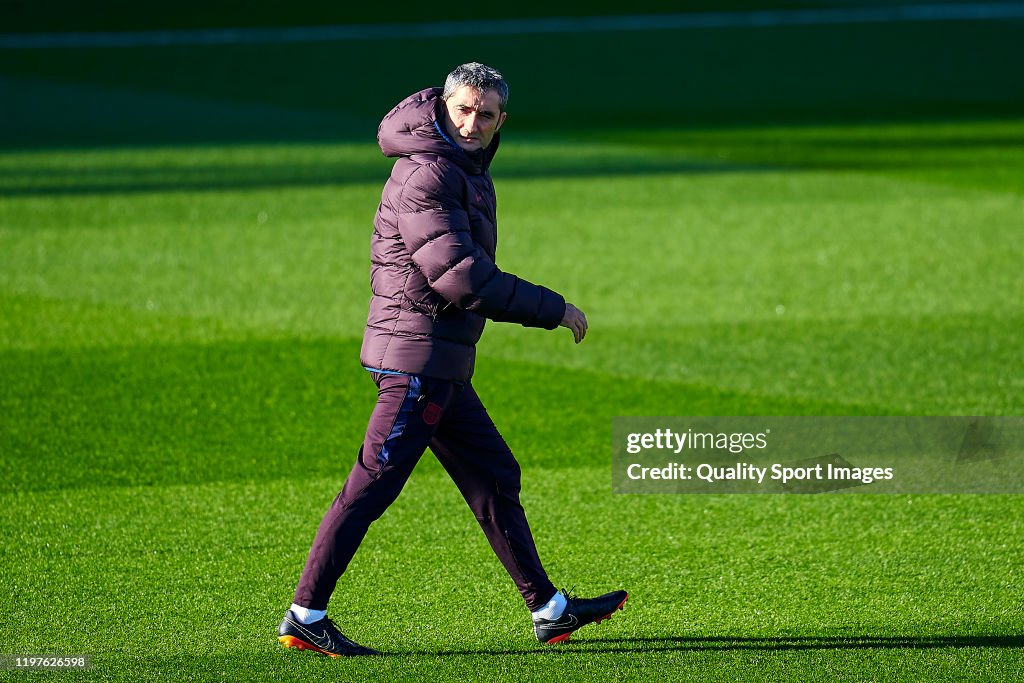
{"x": 291, "y": 642}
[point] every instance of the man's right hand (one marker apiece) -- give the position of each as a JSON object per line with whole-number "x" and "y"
{"x": 575, "y": 321}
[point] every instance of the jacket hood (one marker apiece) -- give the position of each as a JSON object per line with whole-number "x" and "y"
{"x": 415, "y": 126}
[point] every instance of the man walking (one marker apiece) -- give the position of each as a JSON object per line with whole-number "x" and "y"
{"x": 434, "y": 283}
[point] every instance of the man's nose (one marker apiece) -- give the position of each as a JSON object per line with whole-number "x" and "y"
{"x": 469, "y": 123}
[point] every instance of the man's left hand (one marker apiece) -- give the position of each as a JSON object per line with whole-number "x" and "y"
{"x": 575, "y": 321}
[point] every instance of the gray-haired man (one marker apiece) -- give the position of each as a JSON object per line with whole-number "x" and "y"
{"x": 434, "y": 284}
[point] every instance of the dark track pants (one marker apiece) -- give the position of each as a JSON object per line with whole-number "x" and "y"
{"x": 414, "y": 412}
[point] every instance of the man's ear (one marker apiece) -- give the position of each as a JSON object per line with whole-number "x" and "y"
{"x": 501, "y": 120}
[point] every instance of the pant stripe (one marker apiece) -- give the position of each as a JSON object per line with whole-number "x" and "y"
{"x": 412, "y": 395}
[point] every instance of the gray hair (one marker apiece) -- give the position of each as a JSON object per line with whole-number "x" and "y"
{"x": 478, "y": 76}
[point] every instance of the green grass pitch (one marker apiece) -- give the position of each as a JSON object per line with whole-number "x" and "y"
{"x": 181, "y": 399}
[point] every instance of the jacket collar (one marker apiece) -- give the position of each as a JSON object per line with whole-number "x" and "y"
{"x": 414, "y": 126}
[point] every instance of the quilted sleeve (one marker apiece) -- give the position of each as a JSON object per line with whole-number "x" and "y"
{"x": 434, "y": 226}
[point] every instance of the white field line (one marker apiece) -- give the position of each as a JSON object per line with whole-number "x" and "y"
{"x": 453, "y": 29}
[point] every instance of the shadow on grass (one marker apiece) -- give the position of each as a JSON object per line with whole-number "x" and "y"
{"x": 737, "y": 643}
{"x": 27, "y": 181}
{"x": 767, "y": 155}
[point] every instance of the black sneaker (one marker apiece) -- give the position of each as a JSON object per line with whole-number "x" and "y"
{"x": 578, "y": 613}
{"x": 320, "y": 636}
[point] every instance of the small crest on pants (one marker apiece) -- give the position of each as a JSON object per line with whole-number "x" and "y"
{"x": 431, "y": 413}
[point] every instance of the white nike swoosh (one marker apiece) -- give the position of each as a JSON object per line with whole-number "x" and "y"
{"x": 322, "y": 640}
{"x": 572, "y": 621}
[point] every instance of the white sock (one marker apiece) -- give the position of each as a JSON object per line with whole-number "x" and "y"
{"x": 306, "y": 615}
{"x": 553, "y": 609}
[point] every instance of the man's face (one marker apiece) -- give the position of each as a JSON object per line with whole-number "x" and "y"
{"x": 473, "y": 117}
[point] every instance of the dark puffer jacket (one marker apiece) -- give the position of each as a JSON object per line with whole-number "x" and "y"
{"x": 433, "y": 275}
